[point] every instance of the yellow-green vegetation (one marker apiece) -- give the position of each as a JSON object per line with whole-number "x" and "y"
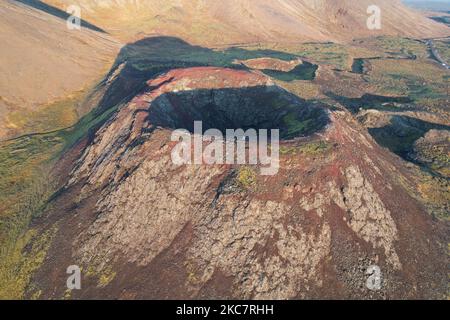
{"x": 67, "y": 294}
{"x": 106, "y": 277}
{"x": 323, "y": 53}
{"x": 399, "y": 46}
{"x": 36, "y": 295}
{"x": 315, "y": 148}
{"x": 21, "y": 260}
{"x": 296, "y": 127}
{"x": 310, "y": 149}
{"x": 304, "y": 89}
{"x": 436, "y": 192}
{"x": 439, "y": 158}
{"x": 432, "y": 191}
{"x": 23, "y": 163}
{"x": 246, "y": 177}
{"x": 57, "y": 115}
{"x": 192, "y": 277}
{"x": 24, "y": 188}
{"x": 71, "y": 135}
{"x": 414, "y": 78}
{"x": 103, "y": 276}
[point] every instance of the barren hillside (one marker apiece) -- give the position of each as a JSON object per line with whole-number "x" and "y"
{"x": 42, "y": 61}
{"x": 238, "y": 21}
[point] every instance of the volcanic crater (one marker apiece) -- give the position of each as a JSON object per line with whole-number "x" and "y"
{"x": 225, "y": 230}
{"x": 227, "y": 99}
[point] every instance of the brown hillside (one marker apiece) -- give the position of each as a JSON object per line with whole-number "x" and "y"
{"x": 243, "y": 21}
{"x": 41, "y": 61}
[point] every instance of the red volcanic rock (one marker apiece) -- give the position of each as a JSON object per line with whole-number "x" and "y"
{"x": 224, "y": 231}
{"x": 206, "y": 78}
{"x": 201, "y": 78}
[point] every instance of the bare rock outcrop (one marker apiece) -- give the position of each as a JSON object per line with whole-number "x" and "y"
{"x": 225, "y": 231}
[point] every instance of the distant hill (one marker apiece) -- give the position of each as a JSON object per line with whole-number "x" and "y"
{"x": 243, "y": 21}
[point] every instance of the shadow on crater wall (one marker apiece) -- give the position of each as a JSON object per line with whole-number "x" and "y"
{"x": 150, "y": 57}
{"x": 259, "y": 107}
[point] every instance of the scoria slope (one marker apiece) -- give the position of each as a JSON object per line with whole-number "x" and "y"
{"x": 144, "y": 227}
{"x": 243, "y": 21}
